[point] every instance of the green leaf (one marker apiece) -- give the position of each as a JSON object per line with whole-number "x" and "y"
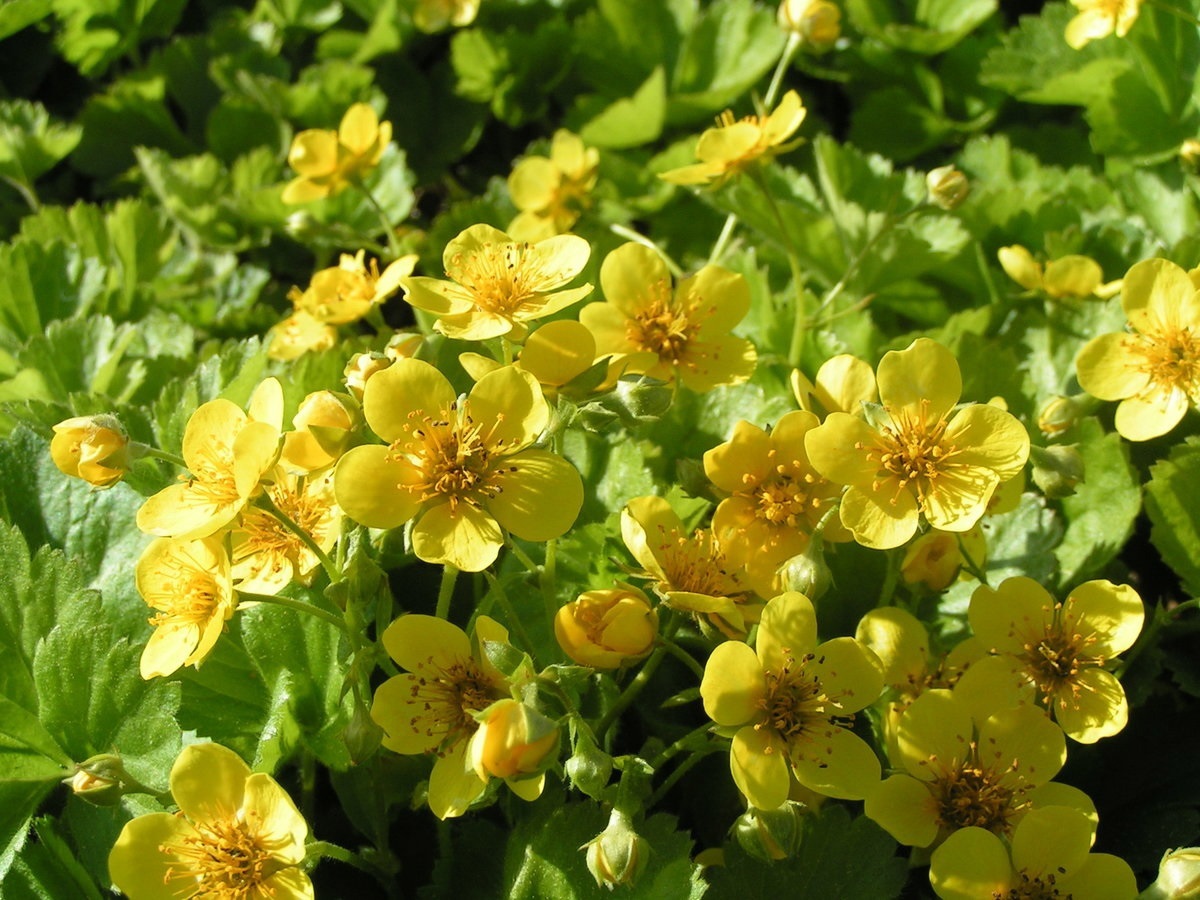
{"x": 927, "y": 27}
{"x": 46, "y": 869}
{"x": 1173, "y": 504}
{"x": 96, "y": 33}
{"x": 1101, "y": 513}
{"x": 630, "y": 122}
{"x": 30, "y": 144}
{"x": 851, "y": 859}
{"x": 18, "y": 14}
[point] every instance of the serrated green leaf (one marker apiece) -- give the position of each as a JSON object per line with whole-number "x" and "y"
{"x": 30, "y": 143}
{"x": 927, "y": 27}
{"x": 1173, "y": 504}
{"x": 839, "y": 857}
{"x": 46, "y": 869}
{"x": 1101, "y": 513}
{"x": 630, "y": 122}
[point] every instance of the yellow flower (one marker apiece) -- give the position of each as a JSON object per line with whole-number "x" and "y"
{"x": 431, "y": 706}
{"x": 94, "y": 448}
{"x": 463, "y": 470}
{"x": 1155, "y": 370}
{"x": 227, "y": 452}
{"x": 924, "y": 457}
{"x": 435, "y": 15}
{"x": 298, "y": 334}
{"x": 551, "y": 192}
{"x": 1054, "y": 654}
{"x": 499, "y": 284}
{"x": 734, "y": 146}
{"x": 775, "y": 499}
{"x": 1100, "y": 18}
{"x": 267, "y": 556}
{"x": 667, "y": 334}
{"x": 788, "y": 702}
{"x": 1047, "y": 857}
{"x": 959, "y": 772}
{"x": 324, "y": 424}
{"x": 326, "y": 161}
{"x": 843, "y": 384}
{"x": 237, "y": 835}
{"x": 514, "y": 742}
{"x": 360, "y": 368}
{"x": 189, "y": 584}
{"x": 1069, "y": 276}
{"x": 346, "y": 292}
{"x": 607, "y": 629}
{"x": 689, "y": 569}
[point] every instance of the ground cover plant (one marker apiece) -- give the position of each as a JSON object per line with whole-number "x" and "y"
{"x": 584, "y": 448}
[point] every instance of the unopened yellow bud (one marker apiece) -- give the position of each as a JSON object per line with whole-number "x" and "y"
{"x": 102, "y": 780}
{"x": 1057, "y": 470}
{"x": 818, "y": 22}
{"x": 1178, "y": 876}
{"x": 360, "y": 368}
{"x": 94, "y": 448}
{"x": 618, "y": 854}
{"x": 1059, "y": 414}
{"x": 607, "y": 629}
{"x": 513, "y": 741}
{"x": 1189, "y": 155}
{"x": 948, "y": 187}
{"x": 807, "y": 572}
{"x": 935, "y": 558}
{"x": 324, "y": 427}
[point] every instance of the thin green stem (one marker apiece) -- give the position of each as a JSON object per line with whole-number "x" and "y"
{"x": 300, "y": 606}
{"x": 388, "y": 228}
{"x": 155, "y": 453}
{"x": 891, "y": 576}
{"x": 986, "y": 275}
{"x": 969, "y": 562}
{"x": 28, "y": 194}
{"x": 680, "y": 745}
{"x": 630, "y": 235}
{"x": 510, "y": 612}
{"x": 631, "y": 693}
{"x": 680, "y": 770}
{"x": 318, "y": 850}
{"x": 1162, "y": 616}
{"x": 267, "y": 503}
{"x": 785, "y": 60}
{"x": 727, "y": 230}
{"x": 1175, "y": 11}
{"x": 683, "y": 656}
{"x": 446, "y": 591}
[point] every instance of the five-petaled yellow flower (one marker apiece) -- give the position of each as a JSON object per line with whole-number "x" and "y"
{"x": 775, "y": 497}
{"x": 346, "y": 292}
{"x": 190, "y": 585}
{"x": 788, "y": 702}
{"x": 227, "y": 451}
{"x": 326, "y": 162}
{"x": 1155, "y": 370}
{"x": 1054, "y": 654}
{"x": 552, "y": 191}
{"x": 959, "y": 772}
{"x": 464, "y": 470}
{"x": 668, "y": 333}
{"x": 499, "y": 284}
{"x": 1073, "y": 275}
{"x": 431, "y": 706}
{"x": 1100, "y": 18}
{"x": 238, "y": 835}
{"x": 735, "y": 145}
{"x": 1048, "y": 856}
{"x": 920, "y": 456}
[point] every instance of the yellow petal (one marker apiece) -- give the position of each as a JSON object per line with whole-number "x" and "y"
{"x": 1112, "y": 614}
{"x": 1028, "y": 739}
{"x": 1006, "y": 617}
{"x": 632, "y": 276}
{"x": 558, "y": 352}
{"x": 278, "y": 824}
{"x": 540, "y": 495}
{"x": 836, "y": 763}
{"x": 1098, "y": 710}
{"x": 453, "y": 785}
{"x": 936, "y": 726}
{"x": 1153, "y": 290}
{"x": 1073, "y": 276}
{"x": 467, "y": 243}
{"x": 844, "y": 383}
{"x": 905, "y": 809}
{"x": 140, "y": 861}
{"x": 404, "y": 393}
{"x": 1111, "y": 368}
{"x": 463, "y": 535}
{"x": 1019, "y": 265}
{"x": 881, "y": 520}
{"x": 971, "y": 864}
{"x": 359, "y": 129}
{"x": 647, "y": 525}
{"x": 758, "y": 762}
{"x": 168, "y": 649}
{"x": 733, "y": 686}
{"x": 921, "y": 380}
{"x": 718, "y": 297}
{"x": 1150, "y": 415}
{"x": 442, "y": 298}
{"x": 366, "y": 485}
{"x": 989, "y": 438}
{"x": 742, "y": 462}
{"x": 509, "y": 407}
{"x": 787, "y": 631}
{"x": 850, "y": 672}
{"x": 899, "y": 640}
{"x": 208, "y": 782}
{"x": 313, "y": 153}
{"x": 1101, "y": 876}
{"x": 839, "y": 450}
{"x": 401, "y": 712}
{"x": 1052, "y": 840}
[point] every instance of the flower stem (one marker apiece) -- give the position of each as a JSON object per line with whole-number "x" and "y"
{"x": 388, "y": 229}
{"x": 718, "y": 249}
{"x": 891, "y": 576}
{"x": 640, "y": 681}
{"x": 267, "y": 503}
{"x": 318, "y": 850}
{"x": 785, "y": 60}
{"x": 446, "y": 591}
{"x": 800, "y": 321}
{"x": 630, "y": 235}
{"x": 683, "y": 656}
{"x": 155, "y": 453}
{"x": 514, "y": 620}
{"x": 969, "y": 561}
{"x": 1175, "y": 11}
{"x": 300, "y": 606}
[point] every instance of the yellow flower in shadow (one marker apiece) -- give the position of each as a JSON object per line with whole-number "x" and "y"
{"x": 1100, "y": 18}
{"x": 237, "y": 835}
{"x": 465, "y": 471}
{"x": 346, "y": 292}
{"x": 551, "y": 192}
{"x": 326, "y": 162}
{"x": 1068, "y": 276}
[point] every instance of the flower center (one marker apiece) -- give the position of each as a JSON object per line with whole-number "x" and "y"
{"x": 790, "y": 496}
{"x": 797, "y": 706}
{"x": 1173, "y": 359}
{"x": 1033, "y": 887}
{"x": 223, "y": 859}
{"x": 972, "y": 796}
{"x": 263, "y": 534}
{"x": 696, "y": 564}
{"x": 188, "y": 593}
{"x": 661, "y": 329}
{"x": 503, "y": 278}
{"x": 448, "y": 699}
{"x": 454, "y": 456}
{"x": 1054, "y": 659}
{"x": 212, "y": 476}
{"x": 912, "y": 451}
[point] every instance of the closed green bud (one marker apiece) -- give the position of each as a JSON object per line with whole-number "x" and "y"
{"x": 102, "y": 780}
{"x": 1057, "y": 470}
{"x": 589, "y": 767}
{"x": 948, "y": 187}
{"x": 1178, "y": 876}
{"x": 362, "y": 736}
{"x": 771, "y": 834}
{"x": 807, "y": 572}
{"x": 618, "y": 854}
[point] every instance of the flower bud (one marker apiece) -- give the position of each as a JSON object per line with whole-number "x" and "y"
{"x": 1059, "y": 415}
{"x": 589, "y": 767}
{"x": 324, "y": 426}
{"x": 360, "y": 368}
{"x": 1057, "y": 470}
{"x": 618, "y": 854}
{"x": 771, "y": 834}
{"x": 1178, "y": 876}
{"x": 403, "y": 345}
{"x": 818, "y": 22}
{"x": 362, "y": 736}
{"x": 807, "y": 572}
{"x": 948, "y": 187}
{"x": 102, "y": 780}
{"x": 607, "y": 629}
{"x": 935, "y": 558}
{"x": 1189, "y": 155}
{"x": 513, "y": 741}
{"x": 94, "y": 448}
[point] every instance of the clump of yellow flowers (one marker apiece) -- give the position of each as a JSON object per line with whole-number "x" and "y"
{"x": 326, "y": 162}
